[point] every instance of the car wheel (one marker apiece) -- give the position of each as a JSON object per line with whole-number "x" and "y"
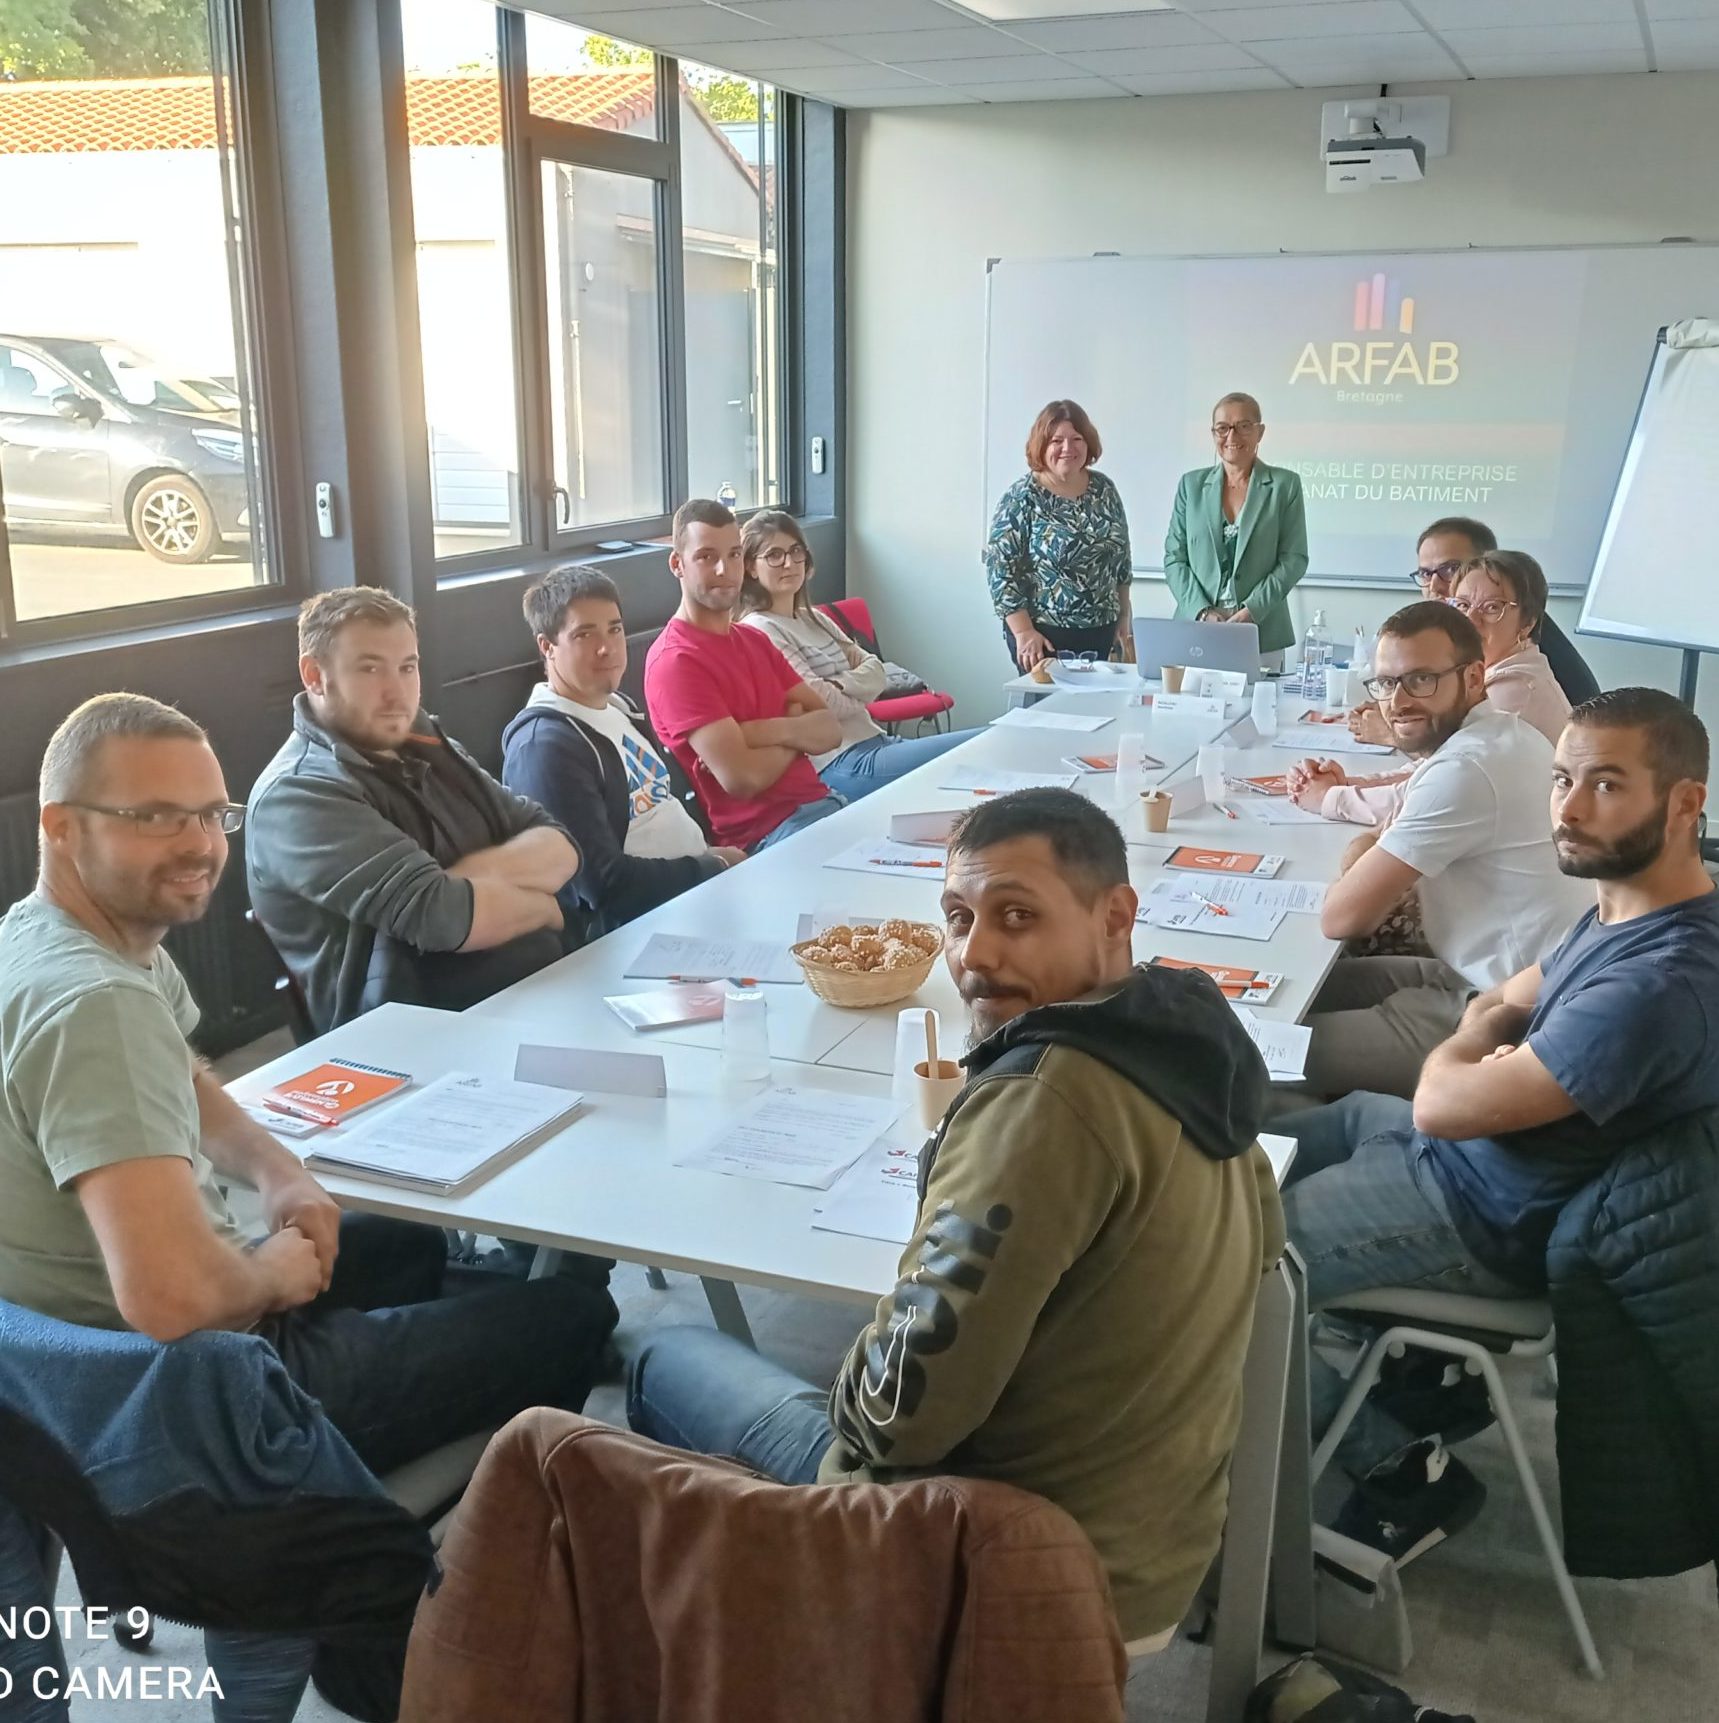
{"x": 173, "y": 520}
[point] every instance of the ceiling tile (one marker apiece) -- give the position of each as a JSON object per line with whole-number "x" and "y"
{"x": 1063, "y": 90}
{"x": 998, "y": 69}
{"x": 1687, "y": 59}
{"x": 688, "y": 26}
{"x": 1218, "y": 57}
{"x": 790, "y": 54}
{"x": 1337, "y": 18}
{"x": 1553, "y": 65}
{"x": 862, "y": 75}
{"x": 1202, "y": 83}
{"x": 1085, "y": 35}
{"x": 897, "y": 47}
{"x": 925, "y": 96}
{"x": 1303, "y": 51}
{"x": 1488, "y": 14}
{"x": 1559, "y": 39}
{"x": 839, "y": 17}
{"x": 1670, "y": 35}
{"x": 1657, "y": 9}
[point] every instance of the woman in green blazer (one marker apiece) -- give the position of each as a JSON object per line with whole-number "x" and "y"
{"x": 1238, "y": 537}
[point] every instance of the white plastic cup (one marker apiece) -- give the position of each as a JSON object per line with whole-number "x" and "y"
{"x": 1336, "y": 687}
{"x": 909, "y": 1050}
{"x": 1265, "y": 710}
{"x": 745, "y": 1038}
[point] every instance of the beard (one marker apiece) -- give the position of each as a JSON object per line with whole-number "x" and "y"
{"x": 1439, "y": 730}
{"x": 989, "y": 1007}
{"x": 1637, "y": 850}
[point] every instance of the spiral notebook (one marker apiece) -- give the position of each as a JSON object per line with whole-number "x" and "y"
{"x": 333, "y": 1091}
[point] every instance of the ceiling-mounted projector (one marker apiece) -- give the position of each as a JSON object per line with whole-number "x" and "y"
{"x": 1369, "y": 143}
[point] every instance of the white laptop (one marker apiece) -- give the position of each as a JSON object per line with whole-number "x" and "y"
{"x": 1196, "y": 645}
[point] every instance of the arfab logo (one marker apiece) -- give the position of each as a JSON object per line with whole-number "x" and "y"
{"x": 1379, "y": 304}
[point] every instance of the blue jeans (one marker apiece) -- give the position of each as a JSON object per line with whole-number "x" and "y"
{"x": 696, "y": 1389}
{"x": 807, "y": 814}
{"x": 1364, "y": 1209}
{"x": 401, "y": 1370}
{"x": 865, "y": 766}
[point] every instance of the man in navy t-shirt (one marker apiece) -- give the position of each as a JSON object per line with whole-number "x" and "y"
{"x": 1548, "y": 1076}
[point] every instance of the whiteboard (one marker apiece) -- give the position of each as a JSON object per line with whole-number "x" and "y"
{"x": 1402, "y": 385}
{"x": 1654, "y": 577}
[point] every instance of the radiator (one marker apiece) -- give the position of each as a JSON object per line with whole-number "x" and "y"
{"x": 230, "y": 973}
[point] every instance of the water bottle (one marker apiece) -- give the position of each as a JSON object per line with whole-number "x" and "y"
{"x": 1315, "y": 655}
{"x": 1130, "y": 756}
{"x": 745, "y": 1038}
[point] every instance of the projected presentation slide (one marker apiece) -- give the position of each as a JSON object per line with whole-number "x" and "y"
{"x": 1499, "y": 384}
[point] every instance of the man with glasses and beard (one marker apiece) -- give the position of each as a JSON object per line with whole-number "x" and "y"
{"x": 1470, "y": 836}
{"x": 1610, "y": 1037}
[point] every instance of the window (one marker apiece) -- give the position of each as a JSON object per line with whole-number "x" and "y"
{"x": 127, "y": 445}
{"x": 465, "y": 284}
{"x": 606, "y": 408}
{"x": 599, "y": 282}
{"x": 729, "y": 239}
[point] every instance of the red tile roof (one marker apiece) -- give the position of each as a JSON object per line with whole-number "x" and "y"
{"x": 66, "y": 116}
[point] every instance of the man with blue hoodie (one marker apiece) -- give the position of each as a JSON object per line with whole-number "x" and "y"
{"x": 582, "y": 751}
{"x": 1072, "y": 1311}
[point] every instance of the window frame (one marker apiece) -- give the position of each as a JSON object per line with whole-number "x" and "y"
{"x": 529, "y": 141}
{"x": 239, "y": 53}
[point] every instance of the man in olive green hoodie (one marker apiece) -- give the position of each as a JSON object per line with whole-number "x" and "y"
{"x": 1095, "y": 1214}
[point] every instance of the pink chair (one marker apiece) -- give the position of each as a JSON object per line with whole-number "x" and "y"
{"x": 853, "y": 617}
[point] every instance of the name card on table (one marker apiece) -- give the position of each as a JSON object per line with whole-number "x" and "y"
{"x": 1216, "y": 684}
{"x": 1186, "y": 706}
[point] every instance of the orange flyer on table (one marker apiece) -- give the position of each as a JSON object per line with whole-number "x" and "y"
{"x": 1277, "y": 785}
{"x": 334, "y": 1091}
{"x": 1250, "y": 986}
{"x": 1190, "y": 858}
{"x": 1311, "y": 716}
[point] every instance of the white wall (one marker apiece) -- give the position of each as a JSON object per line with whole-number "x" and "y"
{"x": 934, "y": 192}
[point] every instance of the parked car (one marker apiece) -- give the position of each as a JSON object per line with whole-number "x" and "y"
{"x": 96, "y": 439}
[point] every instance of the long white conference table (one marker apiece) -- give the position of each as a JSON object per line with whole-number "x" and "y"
{"x": 606, "y": 1183}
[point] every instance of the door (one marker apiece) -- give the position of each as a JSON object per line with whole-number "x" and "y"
{"x": 51, "y": 467}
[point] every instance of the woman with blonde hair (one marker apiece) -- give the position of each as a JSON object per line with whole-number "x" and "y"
{"x": 773, "y": 598}
{"x": 1058, "y": 559}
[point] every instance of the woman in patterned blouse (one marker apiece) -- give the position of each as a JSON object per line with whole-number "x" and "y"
{"x": 1057, "y": 558}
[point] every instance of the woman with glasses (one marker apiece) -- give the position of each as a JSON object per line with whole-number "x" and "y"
{"x": 1057, "y": 560}
{"x": 1503, "y": 593}
{"x": 1237, "y": 542}
{"x": 773, "y": 598}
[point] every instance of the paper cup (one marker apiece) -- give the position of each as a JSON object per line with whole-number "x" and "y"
{"x": 1155, "y": 805}
{"x": 1171, "y": 676}
{"x": 933, "y": 1095}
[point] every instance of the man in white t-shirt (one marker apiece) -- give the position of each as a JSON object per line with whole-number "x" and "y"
{"x": 583, "y": 752}
{"x": 1473, "y": 840}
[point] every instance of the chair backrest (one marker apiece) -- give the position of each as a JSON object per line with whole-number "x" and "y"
{"x": 854, "y": 617}
{"x": 566, "y": 1584}
{"x": 286, "y": 987}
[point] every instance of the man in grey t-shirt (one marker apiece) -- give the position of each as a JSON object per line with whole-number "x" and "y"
{"x": 112, "y": 1135}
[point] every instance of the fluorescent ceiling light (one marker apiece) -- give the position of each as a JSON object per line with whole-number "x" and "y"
{"x": 1035, "y": 11}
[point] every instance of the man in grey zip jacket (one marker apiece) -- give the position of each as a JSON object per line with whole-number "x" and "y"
{"x": 383, "y": 861}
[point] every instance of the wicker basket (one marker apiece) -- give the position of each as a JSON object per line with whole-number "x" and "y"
{"x": 860, "y": 988}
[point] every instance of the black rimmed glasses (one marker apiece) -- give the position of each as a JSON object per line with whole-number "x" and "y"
{"x": 162, "y": 820}
{"x": 1417, "y": 684}
{"x": 1241, "y": 428}
{"x": 777, "y": 557}
{"x": 1424, "y": 577}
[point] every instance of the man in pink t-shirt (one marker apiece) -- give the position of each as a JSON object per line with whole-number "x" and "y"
{"x": 740, "y": 721}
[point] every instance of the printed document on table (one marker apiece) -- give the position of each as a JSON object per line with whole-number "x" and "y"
{"x": 1319, "y": 740}
{"x": 999, "y": 781}
{"x": 1279, "y": 812}
{"x": 795, "y": 1137}
{"x": 1294, "y": 897}
{"x": 885, "y": 855}
{"x": 1283, "y": 1046}
{"x": 878, "y": 1196}
{"x": 684, "y": 957}
{"x": 1036, "y": 718}
{"x": 1191, "y": 915}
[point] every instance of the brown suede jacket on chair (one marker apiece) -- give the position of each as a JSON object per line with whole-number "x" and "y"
{"x": 592, "y": 1576}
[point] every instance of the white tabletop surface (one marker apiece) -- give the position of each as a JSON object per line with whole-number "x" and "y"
{"x": 606, "y": 1183}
